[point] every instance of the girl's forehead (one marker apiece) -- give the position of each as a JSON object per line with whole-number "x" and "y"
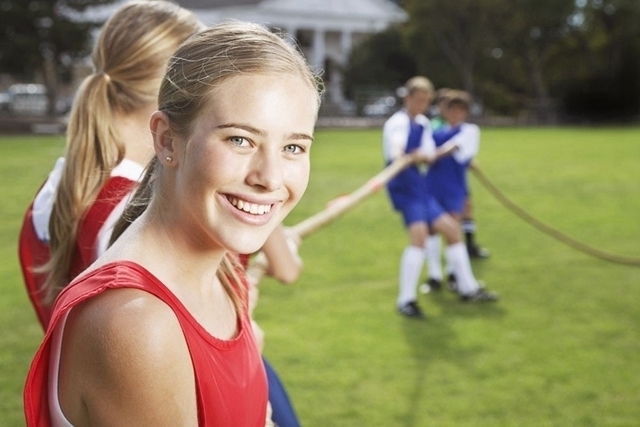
{"x": 254, "y": 97}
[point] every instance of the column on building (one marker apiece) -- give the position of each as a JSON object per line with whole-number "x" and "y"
{"x": 318, "y": 48}
{"x": 346, "y": 41}
{"x": 335, "y": 89}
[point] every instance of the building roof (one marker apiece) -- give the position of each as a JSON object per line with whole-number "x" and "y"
{"x": 343, "y": 15}
{"x": 357, "y": 15}
{"x": 326, "y": 7}
{"x": 210, "y": 4}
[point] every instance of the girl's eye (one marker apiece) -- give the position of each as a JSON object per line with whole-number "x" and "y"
{"x": 239, "y": 141}
{"x": 293, "y": 149}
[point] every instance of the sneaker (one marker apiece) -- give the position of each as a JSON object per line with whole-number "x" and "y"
{"x": 434, "y": 284}
{"x": 430, "y": 285}
{"x": 477, "y": 252}
{"x": 481, "y": 295}
{"x": 411, "y": 309}
{"x": 452, "y": 283}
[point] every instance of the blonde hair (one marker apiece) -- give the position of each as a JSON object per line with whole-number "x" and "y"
{"x": 459, "y": 98}
{"x": 197, "y": 68}
{"x": 129, "y": 58}
{"x": 418, "y": 84}
{"x": 223, "y": 51}
{"x": 442, "y": 95}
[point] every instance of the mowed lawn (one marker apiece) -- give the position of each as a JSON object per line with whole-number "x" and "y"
{"x": 561, "y": 348}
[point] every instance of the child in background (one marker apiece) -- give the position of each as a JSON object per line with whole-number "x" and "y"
{"x": 69, "y": 223}
{"x": 446, "y": 182}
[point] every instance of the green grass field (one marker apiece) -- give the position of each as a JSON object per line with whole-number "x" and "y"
{"x": 562, "y": 347}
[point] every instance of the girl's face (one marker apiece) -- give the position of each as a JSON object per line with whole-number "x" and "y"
{"x": 246, "y": 164}
{"x": 456, "y": 114}
{"x": 417, "y": 102}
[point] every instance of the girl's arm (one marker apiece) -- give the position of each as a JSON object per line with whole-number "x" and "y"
{"x": 125, "y": 361}
{"x": 281, "y": 250}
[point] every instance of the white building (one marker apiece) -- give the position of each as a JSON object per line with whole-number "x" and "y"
{"x": 326, "y": 30}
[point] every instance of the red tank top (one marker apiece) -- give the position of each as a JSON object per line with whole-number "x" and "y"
{"x": 33, "y": 252}
{"x": 112, "y": 192}
{"x": 231, "y": 386}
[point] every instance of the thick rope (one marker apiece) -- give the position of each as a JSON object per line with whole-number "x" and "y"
{"x": 549, "y": 230}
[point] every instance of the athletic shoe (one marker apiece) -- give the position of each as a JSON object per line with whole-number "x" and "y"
{"x": 434, "y": 284}
{"x": 477, "y": 252}
{"x": 452, "y": 282}
{"x": 411, "y": 309}
{"x": 481, "y": 295}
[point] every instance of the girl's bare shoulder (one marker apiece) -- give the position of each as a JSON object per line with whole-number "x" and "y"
{"x": 128, "y": 352}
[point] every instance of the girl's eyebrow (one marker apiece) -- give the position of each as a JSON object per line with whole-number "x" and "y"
{"x": 297, "y": 136}
{"x": 254, "y": 130}
{"x": 248, "y": 128}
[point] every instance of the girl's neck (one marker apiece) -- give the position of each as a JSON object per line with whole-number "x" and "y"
{"x": 133, "y": 130}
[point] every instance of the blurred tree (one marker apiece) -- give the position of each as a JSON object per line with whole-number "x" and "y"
{"x": 534, "y": 37}
{"x": 381, "y": 62}
{"x": 515, "y": 53}
{"x": 458, "y": 31}
{"x": 600, "y": 75}
{"x": 536, "y": 31}
{"x": 582, "y": 56}
{"x": 40, "y": 39}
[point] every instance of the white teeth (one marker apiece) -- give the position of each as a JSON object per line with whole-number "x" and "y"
{"x": 252, "y": 208}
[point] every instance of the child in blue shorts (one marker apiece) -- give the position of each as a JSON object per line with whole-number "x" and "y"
{"x": 408, "y": 131}
{"x": 446, "y": 182}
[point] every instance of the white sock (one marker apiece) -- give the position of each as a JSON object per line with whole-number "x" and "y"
{"x": 448, "y": 266}
{"x": 459, "y": 258}
{"x": 433, "y": 256}
{"x": 410, "y": 269}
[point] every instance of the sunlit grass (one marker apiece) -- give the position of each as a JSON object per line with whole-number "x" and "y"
{"x": 561, "y": 348}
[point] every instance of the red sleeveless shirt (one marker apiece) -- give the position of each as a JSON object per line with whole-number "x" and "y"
{"x": 231, "y": 386}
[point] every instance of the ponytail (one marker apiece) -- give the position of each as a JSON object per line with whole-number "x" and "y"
{"x": 132, "y": 51}
{"x": 93, "y": 150}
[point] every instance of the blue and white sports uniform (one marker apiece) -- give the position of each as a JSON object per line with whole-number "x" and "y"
{"x": 446, "y": 179}
{"x": 401, "y": 135}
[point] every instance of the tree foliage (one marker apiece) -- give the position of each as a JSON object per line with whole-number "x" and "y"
{"x": 382, "y": 60}
{"x": 39, "y": 39}
{"x": 456, "y": 32}
{"x": 512, "y": 55}
{"x": 604, "y": 52}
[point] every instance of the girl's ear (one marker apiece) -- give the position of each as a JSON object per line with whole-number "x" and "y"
{"x": 164, "y": 142}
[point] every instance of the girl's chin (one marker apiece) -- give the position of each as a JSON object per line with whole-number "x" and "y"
{"x": 249, "y": 243}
